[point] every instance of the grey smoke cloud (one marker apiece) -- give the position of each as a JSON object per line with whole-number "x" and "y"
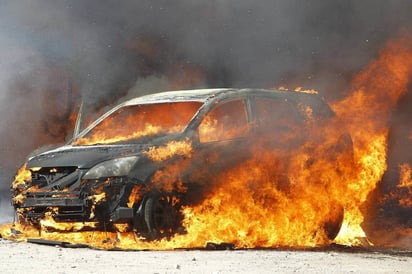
{"x": 259, "y": 43}
{"x": 102, "y": 48}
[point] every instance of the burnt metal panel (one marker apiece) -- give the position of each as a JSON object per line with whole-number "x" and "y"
{"x": 122, "y": 213}
{"x": 51, "y": 201}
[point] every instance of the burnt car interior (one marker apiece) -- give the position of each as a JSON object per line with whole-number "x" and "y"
{"x": 227, "y": 121}
{"x": 139, "y": 121}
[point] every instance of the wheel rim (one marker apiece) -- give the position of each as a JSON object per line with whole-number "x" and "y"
{"x": 161, "y": 216}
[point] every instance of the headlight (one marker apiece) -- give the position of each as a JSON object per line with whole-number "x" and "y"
{"x": 112, "y": 168}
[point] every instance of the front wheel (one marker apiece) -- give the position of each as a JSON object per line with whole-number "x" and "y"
{"x": 161, "y": 216}
{"x": 334, "y": 222}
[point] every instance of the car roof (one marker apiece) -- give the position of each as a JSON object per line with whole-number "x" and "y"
{"x": 201, "y": 95}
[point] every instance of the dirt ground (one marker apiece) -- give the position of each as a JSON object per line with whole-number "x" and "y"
{"x": 35, "y": 258}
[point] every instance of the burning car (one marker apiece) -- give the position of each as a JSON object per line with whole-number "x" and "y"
{"x": 144, "y": 160}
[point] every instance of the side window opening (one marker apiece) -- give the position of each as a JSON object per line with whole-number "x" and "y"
{"x": 278, "y": 119}
{"x": 225, "y": 122}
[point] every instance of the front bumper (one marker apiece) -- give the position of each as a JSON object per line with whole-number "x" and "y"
{"x": 64, "y": 206}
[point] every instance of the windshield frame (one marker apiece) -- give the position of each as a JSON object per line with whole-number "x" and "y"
{"x": 100, "y": 119}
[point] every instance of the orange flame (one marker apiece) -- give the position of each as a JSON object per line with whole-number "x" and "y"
{"x": 365, "y": 112}
{"x": 406, "y": 175}
{"x": 405, "y": 185}
{"x": 141, "y": 121}
{"x": 102, "y": 139}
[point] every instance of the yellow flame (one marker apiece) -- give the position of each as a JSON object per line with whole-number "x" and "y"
{"x": 172, "y": 148}
{"x": 23, "y": 175}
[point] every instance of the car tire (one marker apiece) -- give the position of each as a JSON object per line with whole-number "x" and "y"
{"x": 160, "y": 216}
{"x": 333, "y": 224}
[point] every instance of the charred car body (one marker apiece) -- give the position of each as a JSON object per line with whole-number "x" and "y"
{"x": 146, "y": 158}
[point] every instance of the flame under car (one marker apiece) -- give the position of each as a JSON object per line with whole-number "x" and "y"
{"x": 147, "y": 158}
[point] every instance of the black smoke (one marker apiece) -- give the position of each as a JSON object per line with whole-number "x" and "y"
{"x": 56, "y": 52}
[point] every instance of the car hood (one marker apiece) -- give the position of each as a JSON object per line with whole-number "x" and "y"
{"x": 82, "y": 156}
